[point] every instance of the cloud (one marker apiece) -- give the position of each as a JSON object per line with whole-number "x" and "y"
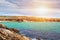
{"x": 21, "y": 3}
{"x": 24, "y": 7}
{"x": 6, "y": 4}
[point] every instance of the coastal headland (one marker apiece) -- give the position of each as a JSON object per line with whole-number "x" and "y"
{"x": 28, "y": 19}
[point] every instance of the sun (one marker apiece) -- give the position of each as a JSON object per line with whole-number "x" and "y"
{"x": 42, "y": 10}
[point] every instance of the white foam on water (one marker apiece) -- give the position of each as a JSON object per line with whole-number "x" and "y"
{"x": 36, "y": 39}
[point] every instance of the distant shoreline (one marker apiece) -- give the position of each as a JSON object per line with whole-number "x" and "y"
{"x": 27, "y": 19}
{"x": 17, "y": 21}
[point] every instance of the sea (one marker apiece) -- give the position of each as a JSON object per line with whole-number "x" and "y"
{"x": 43, "y": 30}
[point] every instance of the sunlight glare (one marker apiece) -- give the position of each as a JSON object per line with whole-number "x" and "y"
{"x": 42, "y": 10}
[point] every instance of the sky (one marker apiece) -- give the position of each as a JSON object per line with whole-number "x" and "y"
{"x": 41, "y": 8}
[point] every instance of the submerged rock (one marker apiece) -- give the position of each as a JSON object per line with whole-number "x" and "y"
{"x": 11, "y": 34}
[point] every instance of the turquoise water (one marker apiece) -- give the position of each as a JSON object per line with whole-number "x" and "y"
{"x": 45, "y": 30}
{"x": 44, "y": 26}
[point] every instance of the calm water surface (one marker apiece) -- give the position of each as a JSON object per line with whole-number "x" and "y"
{"x": 45, "y": 30}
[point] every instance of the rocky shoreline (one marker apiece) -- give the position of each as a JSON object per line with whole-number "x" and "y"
{"x": 11, "y": 34}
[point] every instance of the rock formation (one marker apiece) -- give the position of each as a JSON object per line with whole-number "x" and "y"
{"x": 11, "y": 34}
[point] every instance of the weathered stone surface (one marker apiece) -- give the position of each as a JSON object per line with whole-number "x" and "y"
{"x": 2, "y": 26}
{"x": 14, "y": 30}
{"x": 11, "y": 34}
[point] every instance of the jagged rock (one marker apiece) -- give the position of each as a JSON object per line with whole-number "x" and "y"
{"x": 11, "y": 34}
{"x": 13, "y": 29}
{"x": 2, "y": 26}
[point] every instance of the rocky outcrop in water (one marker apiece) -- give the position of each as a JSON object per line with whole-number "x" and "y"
{"x": 11, "y": 34}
